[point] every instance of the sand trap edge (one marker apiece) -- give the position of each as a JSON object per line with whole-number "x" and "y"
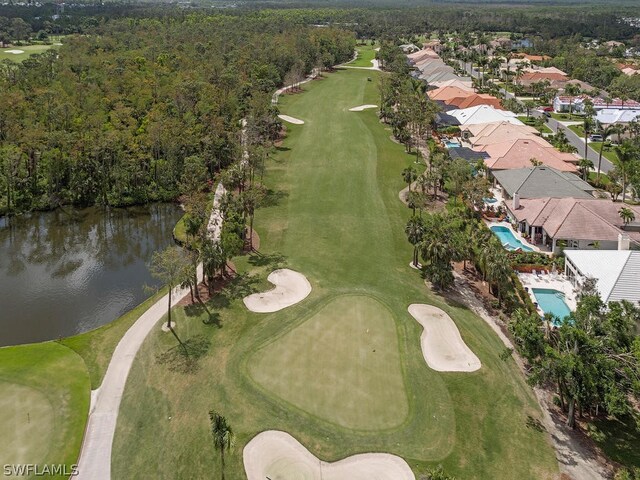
{"x": 291, "y": 287}
{"x": 275, "y": 448}
{"x": 443, "y": 348}
{"x": 287, "y": 118}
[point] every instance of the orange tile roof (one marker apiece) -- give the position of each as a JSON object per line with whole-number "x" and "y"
{"x": 476, "y": 99}
{"x": 519, "y": 154}
{"x": 447, "y": 93}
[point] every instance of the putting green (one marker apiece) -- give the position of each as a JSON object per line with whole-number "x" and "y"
{"x": 44, "y": 401}
{"x": 342, "y": 364}
{"x": 29, "y": 417}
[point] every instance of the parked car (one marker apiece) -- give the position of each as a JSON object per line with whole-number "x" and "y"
{"x": 595, "y": 137}
{"x": 547, "y": 109}
{"x": 547, "y": 114}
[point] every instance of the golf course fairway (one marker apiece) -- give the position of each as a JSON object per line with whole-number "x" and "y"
{"x": 341, "y": 371}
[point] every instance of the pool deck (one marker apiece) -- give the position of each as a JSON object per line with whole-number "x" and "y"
{"x": 515, "y": 234}
{"x": 554, "y": 281}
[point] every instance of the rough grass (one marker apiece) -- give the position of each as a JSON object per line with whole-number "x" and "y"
{"x": 44, "y": 401}
{"x": 96, "y": 346}
{"x": 336, "y": 217}
{"x": 366, "y": 53}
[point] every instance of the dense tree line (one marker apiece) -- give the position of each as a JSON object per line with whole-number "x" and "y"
{"x": 111, "y": 117}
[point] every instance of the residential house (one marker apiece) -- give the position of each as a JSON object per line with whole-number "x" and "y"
{"x": 539, "y": 182}
{"x": 496, "y": 132}
{"x": 616, "y": 272}
{"x": 476, "y": 99}
{"x": 461, "y": 82}
{"x": 571, "y": 223}
{"x": 521, "y": 153}
{"x": 622, "y": 118}
{"x": 483, "y": 114}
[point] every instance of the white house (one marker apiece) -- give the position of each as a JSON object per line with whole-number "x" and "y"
{"x": 616, "y": 272}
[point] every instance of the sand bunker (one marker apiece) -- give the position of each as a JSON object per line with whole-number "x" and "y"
{"x": 442, "y": 346}
{"x": 291, "y": 287}
{"x": 278, "y": 456}
{"x": 14, "y": 52}
{"x": 362, "y": 107}
{"x": 289, "y": 119}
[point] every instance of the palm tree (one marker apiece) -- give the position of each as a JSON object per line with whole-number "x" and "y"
{"x": 606, "y": 133}
{"x": 587, "y": 125}
{"x": 409, "y": 174}
{"x": 223, "y": 436}
{"x": 626, "y": 157}
{"x": 572, "y": 90}
{"x": 627, "y": 215}
{"x": 585, "y": 164}
{"x": 415, "y": 233}
{"x": 529, "y": 105}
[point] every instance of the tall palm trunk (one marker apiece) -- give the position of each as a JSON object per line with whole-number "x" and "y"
{"x": 600, "y": 160}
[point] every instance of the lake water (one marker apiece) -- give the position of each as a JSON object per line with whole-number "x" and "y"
{"x": 69, "y": 271}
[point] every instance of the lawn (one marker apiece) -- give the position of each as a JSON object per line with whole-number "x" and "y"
{"x": 44, "y": 402}
{"x": 96, "y": 346}
{"x": 366, "y": 53}
{"x": 334, "y": 215}
{"x": 531, "y": 121}
{"x": 27, "y": 50}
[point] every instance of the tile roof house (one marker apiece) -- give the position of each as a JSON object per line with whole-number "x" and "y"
{"x": 421, "y": 55}
{"x": 449, "y": 92}
{"x": 483, "y": 114}
{"x": 540, "y": 182}
{"x": 610, "y": 116}
{"x": 616, "y": 272}
{"x": 461, "y": 82}
{"x": 579, "y": 223}
{"x": 519, "y": 154}
{"x": 496, "y": 132}
{"x": 475, "y": 100}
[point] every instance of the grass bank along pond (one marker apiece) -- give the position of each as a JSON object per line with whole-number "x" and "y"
{"x": 69, "y": 271}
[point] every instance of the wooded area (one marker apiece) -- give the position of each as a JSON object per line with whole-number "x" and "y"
{"x": 111, "y": 117}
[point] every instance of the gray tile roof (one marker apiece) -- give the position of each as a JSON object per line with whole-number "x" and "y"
{"x": 543, "y": 181}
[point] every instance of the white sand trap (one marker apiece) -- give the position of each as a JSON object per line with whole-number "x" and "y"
{"x": 442, "y": 346}
{"x": 287, "y": 118}
{"x": 362, "y": 107}
{"x": 14, "y": 52}
{"x": 291, "y": 287}
{"x": 278, "y": 456}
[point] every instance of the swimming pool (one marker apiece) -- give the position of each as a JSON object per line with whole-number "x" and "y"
{"x": 552, "y": 301}
{"x": 508, "y": 239}
{"x": 489, "y": 200}
{"x": 450, "y": 144}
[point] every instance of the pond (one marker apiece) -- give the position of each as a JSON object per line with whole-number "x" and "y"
{"x": 70, "y": 271}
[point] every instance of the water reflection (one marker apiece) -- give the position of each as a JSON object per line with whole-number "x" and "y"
{"x": 69, "y": 271}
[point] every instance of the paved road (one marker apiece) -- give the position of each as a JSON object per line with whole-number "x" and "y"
{"x": 572, "y": 137}
{"x": 578, "y": 142}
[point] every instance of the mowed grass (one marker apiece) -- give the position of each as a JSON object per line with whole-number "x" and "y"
{"x": 332, "y": 213}
{"x": 44, "y": 401}
{"x": 366, "y": 53}
{"x": 96, "y": 346}
{"x": 342, "y": 365}
{"x": 27, "y": 50}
